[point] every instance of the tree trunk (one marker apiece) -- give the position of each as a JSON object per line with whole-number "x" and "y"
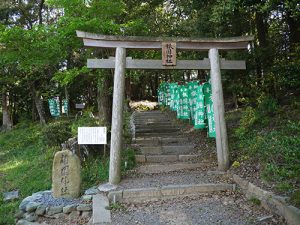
{"x": 39, "y": 105}
{"x": 6, "y": 123}
{"x": 293, "y": 24}
{"x": 104, "y": 99}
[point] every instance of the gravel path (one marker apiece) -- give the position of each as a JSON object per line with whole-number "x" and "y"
{"x": 200, "y": 210}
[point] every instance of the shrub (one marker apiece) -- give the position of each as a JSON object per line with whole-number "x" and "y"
{"x": 128, "y": 155}
{"x": 56, "y": 133}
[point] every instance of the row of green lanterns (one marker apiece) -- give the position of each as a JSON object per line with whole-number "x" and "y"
{"x": 54, "y": 107}
{"x": 191, "y": 101}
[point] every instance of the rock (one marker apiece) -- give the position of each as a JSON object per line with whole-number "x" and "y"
{"x": 32, "y": 198}
{"x": 66, "y": 177}
{"x": 25, "y": 222}
{"x": 91, "y": 191}
{"x": 74, "y": 215}
{"x": 40, "y": 210}
{"x": 19, "y": 214}
{"x": 87, "y": 197}
{"x": 86, "y": 214}
{"x": 69, "y": 208}
{"x": 260, "y": 219}
{"x": 54, "y": 210}
{"x": 7, "y": 196}
{"x": 32, "y": 206}
{"x": 59, "y": 216}
{"x": 84, "y": 207}
{"x": 30, "y": 217}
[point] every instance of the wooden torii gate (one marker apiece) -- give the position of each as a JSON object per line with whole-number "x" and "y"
{"x": 120, "y": 63}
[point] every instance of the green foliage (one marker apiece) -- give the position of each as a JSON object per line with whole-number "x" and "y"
{"x": 295, "y": 198}
{"x": 128, "y": 159}
{"x": 95, "y": 171}
{"x": 54, "y": 134}
{"x": 270, "y": 135}
{"x": 262, "y": 114}
{"x": 84, "y": 121}
{"x": 255, "y": 201}
{"x": 116, "y": 206}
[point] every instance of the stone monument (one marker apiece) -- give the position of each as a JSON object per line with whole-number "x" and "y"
{"x": 66, "y": 176}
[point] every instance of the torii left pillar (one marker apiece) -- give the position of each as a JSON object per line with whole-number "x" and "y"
{"x": 117, "y": 117}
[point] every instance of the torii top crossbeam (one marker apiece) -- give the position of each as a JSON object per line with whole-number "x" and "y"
{"x": 139, "y": 42}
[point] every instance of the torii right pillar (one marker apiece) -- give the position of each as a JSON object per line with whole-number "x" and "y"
{"x": 219, "y": 111}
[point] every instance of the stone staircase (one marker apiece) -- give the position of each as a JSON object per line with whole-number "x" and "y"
{"x": 157, "y": 139}
{"x": 168, "y": 163}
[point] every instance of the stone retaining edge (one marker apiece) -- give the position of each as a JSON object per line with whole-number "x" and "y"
{"x": 273, "y": 203}
{"x": 166, "y": 192}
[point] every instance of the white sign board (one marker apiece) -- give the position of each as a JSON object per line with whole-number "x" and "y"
{"x": 92, "y": 136}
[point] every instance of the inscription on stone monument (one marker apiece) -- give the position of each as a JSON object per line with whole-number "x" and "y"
{"x": 66, "y": 178}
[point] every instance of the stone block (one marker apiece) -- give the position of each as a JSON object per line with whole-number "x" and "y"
{"x": 69, "y": 208}
{"x": 40, "y": 210}
{"x": 66, "y": 177}
{"x": 241, "y": 182}
{"x": 185, "y": 158}
{"x": 84, "y": 207}
{"x": 140, "y": 158}
{"x": 161, "y": 158}
{"x": 92, "y": 191}
{"x": 32, "y": 206}
{"x": 7, "y": 196}
{"x": 101, "y": 215}
{"x": 115, "y": 196}
{"x": 54, "y": 210}
{"x": 30, "y": 217}
{"x": 142, "y": 193}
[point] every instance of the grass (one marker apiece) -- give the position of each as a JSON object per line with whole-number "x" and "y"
{"x": 25, "y": 165}
{"x": 26, "y": 161}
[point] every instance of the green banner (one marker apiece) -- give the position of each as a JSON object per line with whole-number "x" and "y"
{"x": 65, "y": 106}
{"x": 54, "y": 107}
{"x": 173, "y": 97}
{"x": 209, "y": 109}
{"x": 200, "y": 109}
{"x": 183, "y": 103}
{"x": 192, "y": 95}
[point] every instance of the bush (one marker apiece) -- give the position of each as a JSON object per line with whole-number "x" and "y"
{"x": 128, "y": 156}
{"x": 54, "y": 134}
{"x": 84, "y": 121}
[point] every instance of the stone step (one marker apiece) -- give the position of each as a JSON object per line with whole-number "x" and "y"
{"x": 166, "y": 168}
{"x": 158, "y": 134}
{"x": 153, "y": 121}
{"x": 155, "y": 125}
{"x": 160, "y": 140}
{"x": 166, "y": 158}
{"x": 165, "y": 192}
{"x": 101, "y": 215}
{"x": 167, "y": 149}
{"x": 155, "y": 130}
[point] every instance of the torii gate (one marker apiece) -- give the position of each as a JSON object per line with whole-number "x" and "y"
{"x": 168, "y": 46}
